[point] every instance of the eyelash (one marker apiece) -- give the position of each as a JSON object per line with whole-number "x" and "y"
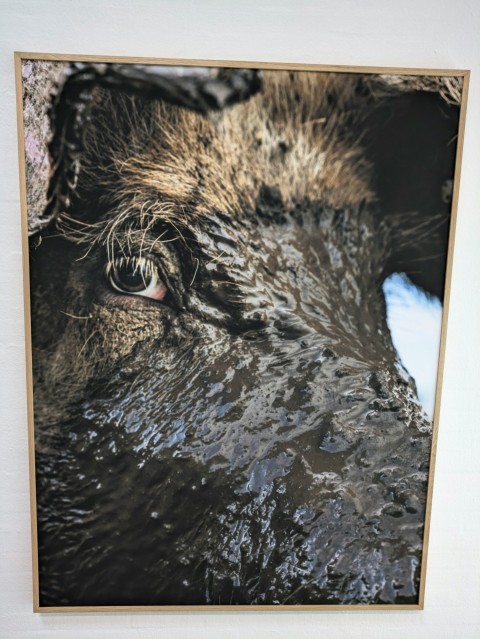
{"x": 136, "y": 276}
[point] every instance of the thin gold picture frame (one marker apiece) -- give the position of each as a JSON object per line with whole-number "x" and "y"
{"x": 18, "y": 58}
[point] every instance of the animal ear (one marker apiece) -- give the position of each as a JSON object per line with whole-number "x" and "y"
{"x": 199, "y": 89}
{"x": 411, "y": 141}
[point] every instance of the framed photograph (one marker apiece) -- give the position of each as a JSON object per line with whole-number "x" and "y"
{"x": 236, "y": 283}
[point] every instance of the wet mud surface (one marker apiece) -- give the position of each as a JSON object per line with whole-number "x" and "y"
{"x": 285, "y": 464}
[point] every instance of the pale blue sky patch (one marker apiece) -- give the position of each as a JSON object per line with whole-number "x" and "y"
{"x": 414, "y": 319}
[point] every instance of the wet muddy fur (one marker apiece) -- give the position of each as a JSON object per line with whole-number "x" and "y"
{"x": 249, "y": 434}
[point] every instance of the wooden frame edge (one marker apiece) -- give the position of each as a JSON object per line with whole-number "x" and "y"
{"x": 18, "y": 57}
{"x": 27, "y": 320}
{"x": 443, "y": 334}
{"x": 233, "y": 608}
{"x": 246, "y": 64}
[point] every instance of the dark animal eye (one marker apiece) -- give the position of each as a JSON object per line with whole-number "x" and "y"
{"x": 135, "y": 275}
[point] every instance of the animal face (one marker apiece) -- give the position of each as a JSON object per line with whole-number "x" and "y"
{"x": 221, "y": 416}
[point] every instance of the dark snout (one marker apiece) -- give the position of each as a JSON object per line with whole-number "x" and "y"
{"x": 256, "y": 463}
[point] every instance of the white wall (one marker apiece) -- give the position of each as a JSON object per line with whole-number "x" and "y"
{"x": 410, "y": 33}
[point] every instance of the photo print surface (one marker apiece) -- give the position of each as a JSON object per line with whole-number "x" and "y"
{"x": 221, "y": 414}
